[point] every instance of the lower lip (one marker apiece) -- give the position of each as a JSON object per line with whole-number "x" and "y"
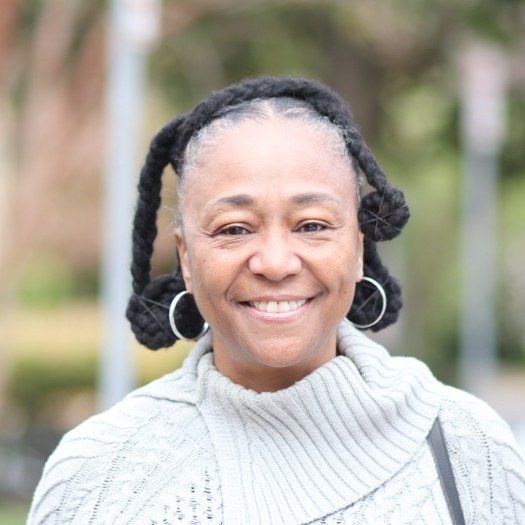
{"x": 277, "y": 317}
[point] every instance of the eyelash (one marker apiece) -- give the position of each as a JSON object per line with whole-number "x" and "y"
{"x": 220, "y": 232}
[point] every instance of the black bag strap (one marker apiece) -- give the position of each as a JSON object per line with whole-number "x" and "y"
{"x": 446, "y": 475}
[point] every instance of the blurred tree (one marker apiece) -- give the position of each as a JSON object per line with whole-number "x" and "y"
{"x": 393, "y": 61}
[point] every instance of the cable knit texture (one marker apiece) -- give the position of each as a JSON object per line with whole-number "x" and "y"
{"x": 345, "y": 444}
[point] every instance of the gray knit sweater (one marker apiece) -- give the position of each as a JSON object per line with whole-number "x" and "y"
{"x": 345, "y": 444}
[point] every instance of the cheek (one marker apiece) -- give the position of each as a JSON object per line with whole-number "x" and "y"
{"x": 339, "y": 257}
{"x": 335, "y": 267}
{"x": 213, "y": 272}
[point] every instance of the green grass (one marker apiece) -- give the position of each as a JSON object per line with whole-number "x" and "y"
{"x": 14, "y": 513}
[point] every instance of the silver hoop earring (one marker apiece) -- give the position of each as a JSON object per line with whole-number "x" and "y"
{"x": 172, "y": 319}
{"x": 383, "y": 295}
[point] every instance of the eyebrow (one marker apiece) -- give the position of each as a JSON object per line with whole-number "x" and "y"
{"x": 243, "y": 199}
{"x": 307, "y": 198}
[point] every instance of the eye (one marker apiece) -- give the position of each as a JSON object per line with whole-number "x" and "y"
{"x": 234, "y": 230}
{"x": 311, "y": 227}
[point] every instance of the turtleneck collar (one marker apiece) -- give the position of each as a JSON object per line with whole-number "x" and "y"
{"x": 306, "y": 451}
{"x": 324, "y": 442}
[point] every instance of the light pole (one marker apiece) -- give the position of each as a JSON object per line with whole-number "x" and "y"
{"x": 483, "y": 83}
{"x": 132, "y": 31}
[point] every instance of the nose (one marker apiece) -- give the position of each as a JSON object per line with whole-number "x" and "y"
{"x": 275, "y": 257}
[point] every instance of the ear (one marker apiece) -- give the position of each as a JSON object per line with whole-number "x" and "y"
{"x": 183, "y": 257}
{"x": 360, "y": 257}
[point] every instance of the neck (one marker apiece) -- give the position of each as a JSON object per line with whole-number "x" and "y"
{"x": 262, "y": 371}
{"x": 337, "y": 434}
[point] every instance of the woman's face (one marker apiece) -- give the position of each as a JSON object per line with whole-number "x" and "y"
{"x": 270, "y": 215}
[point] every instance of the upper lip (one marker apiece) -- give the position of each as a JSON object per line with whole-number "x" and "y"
{"x": 278, "y": 298}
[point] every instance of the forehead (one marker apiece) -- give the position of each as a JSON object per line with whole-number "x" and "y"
{"x": 268, "y": 159}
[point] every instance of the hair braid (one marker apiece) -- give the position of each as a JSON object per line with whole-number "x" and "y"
{"x": 364, "y": 307}
{"x": 382, "y": 213}
{"x": 148, "y": 203}
{"x": 146, "y": 309}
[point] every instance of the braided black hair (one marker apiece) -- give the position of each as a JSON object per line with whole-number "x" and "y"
{"x": 382, "y": 212}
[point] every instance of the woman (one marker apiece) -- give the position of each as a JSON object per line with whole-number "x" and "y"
{"x": 284, "y": 411}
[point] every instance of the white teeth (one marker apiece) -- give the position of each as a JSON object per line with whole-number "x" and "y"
{"x": 284, "y": 307}
{"x": 273, "y": 306}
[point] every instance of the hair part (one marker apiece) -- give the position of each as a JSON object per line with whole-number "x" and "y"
{"x": 261, "y": 110}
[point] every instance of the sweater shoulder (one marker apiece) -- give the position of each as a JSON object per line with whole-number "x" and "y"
{"x": 487, "y": 461}
{"x": 470, "y": 416}
{"x": 137, "y": 431}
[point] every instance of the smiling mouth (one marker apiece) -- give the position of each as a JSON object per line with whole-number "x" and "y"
{"x": 277, "y": 306}
{"x": 277, "y": 311}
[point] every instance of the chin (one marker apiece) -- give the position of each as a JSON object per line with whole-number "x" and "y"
{"x": 277, "y": 357}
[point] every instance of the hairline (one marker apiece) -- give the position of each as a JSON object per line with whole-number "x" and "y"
{"x": 260, "y": 110}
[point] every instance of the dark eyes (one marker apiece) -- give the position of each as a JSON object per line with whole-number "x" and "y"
{"x": 321, "y": 226}
{"x": 232, "y": 230}
{"x": 312, "y": 227}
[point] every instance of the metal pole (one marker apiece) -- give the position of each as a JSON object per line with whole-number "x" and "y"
{"x": 482, "y": 119}
{"x": 132, "y": 27}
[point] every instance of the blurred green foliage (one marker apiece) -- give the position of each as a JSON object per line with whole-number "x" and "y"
{"x": 395, "y": 65}
{"x": 50, "y": 281}
{"x": 13, "y": 513}
{"x": 36, "y": 380}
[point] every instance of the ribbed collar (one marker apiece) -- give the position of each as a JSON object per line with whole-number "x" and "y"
{"x": 306, "y": 451}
